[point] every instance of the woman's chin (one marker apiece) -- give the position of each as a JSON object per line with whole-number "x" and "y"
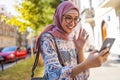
{"x": 69, "y": 31}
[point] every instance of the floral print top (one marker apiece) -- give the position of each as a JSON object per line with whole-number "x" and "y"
{"x": 53, "y": 68}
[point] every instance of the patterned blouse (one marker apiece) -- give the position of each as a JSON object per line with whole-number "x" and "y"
{"x": 53, "y": 68}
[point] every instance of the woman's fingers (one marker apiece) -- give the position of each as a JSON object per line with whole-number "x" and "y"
{"x": 74, "y": 38}
{"x": 96, "y": 59}
{"x": 80, "y": 32}
{"x": 95, "y": 51}
{"x": 87, "y": 37}
{"x": 83, "y": 34}
{"x": 105, "y": 57}
{"x": 103, "y": 52}
{"x": 81, "y": 40}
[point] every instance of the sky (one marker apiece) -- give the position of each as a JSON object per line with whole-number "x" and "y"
{"x": 10, "y": 5}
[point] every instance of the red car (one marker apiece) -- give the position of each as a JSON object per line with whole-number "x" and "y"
{"x": 13, "y": 53}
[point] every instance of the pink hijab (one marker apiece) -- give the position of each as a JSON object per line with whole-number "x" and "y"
{"x": 57, "y": 29}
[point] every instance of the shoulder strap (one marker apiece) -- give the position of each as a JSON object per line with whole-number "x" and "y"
{"x": 58, "y": 53}
{"x": 36, "y": 61}
{"x": 37, "y": 56}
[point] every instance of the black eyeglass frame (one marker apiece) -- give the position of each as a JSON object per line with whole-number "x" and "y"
{"x": 79, "y": 19}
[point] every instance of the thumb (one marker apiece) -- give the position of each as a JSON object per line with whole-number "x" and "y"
{"x": 95, "y": 51}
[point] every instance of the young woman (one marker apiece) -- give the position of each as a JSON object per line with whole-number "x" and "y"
{"x": 76, "y": 67}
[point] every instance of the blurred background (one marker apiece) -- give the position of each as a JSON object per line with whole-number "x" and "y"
{"x": 21, "y": 21}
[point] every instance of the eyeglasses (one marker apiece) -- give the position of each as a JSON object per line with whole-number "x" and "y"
{"x": 69, "y": 19}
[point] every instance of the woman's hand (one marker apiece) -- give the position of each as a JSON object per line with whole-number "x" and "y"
{"x": 81, "y": 40}
{"x": 96, "y": 59}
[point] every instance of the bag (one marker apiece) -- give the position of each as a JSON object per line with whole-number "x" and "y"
{"x": 38, "y": 78}
{"x": 45, "y": 77}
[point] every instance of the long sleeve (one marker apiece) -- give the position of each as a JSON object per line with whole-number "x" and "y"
{"x": 53, "y": 68}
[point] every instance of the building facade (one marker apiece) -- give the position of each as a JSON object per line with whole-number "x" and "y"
{"x": 8, "y": 33}
{"x": 107, "y": 23}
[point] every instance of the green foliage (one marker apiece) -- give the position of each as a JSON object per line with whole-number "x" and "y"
{"x": 55, "y": 3}
{"x": 35, "y": 14}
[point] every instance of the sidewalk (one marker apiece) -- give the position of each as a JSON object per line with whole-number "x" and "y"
{"x": 110, "y": 70}
{"x": 105, "y": 73}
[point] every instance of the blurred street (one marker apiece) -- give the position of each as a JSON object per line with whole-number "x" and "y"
{"x": 7, "y": 65}
{"x": 110, "y": 70}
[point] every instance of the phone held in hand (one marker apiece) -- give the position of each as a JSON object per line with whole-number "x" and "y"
{"x": 107, "y": 43}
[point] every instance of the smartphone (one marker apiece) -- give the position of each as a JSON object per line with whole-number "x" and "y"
{"x": 107, "y": 43}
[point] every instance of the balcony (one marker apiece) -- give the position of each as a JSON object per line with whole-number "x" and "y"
{"x": 88, "y": 16}
{"x": 109, "y": 3}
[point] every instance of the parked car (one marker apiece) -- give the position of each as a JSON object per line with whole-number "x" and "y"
{"x": 13, "y": 53}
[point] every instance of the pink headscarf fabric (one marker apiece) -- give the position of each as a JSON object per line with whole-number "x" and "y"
{"x": 57, "y": 29}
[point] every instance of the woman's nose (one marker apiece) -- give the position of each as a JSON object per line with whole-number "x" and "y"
{"x": 72, "y": 23}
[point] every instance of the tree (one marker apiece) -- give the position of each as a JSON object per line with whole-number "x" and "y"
{"x": 35, "y": 14}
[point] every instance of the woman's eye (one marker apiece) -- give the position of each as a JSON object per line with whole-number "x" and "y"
{"x": 68, "y": 17}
